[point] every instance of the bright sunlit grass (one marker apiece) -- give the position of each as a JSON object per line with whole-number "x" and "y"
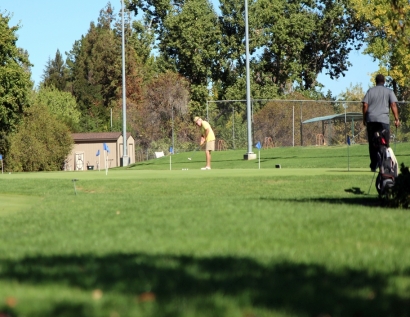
{"x": 233, "y": 241}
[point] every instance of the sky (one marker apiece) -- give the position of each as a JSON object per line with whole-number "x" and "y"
{"x": 48, "y": 25}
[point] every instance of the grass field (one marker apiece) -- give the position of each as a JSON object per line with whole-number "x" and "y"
{"x": 303, "y": 240}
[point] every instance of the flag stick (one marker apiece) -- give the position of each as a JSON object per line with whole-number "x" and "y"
{"x": 105, "y": 161}
{"x": 171, "y": 151}
{"x": 258, "y": 146}
{"x": 106, "y": 165}
{"x": 259, "y": 159}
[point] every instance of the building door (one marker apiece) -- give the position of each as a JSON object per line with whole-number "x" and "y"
{"x": 131, "y": 153}
{"x": 79, "y": 161}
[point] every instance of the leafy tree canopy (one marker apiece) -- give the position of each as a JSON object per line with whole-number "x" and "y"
{"x": 301, "y": 39}
{"x": 61, "y": 104}
{"x": 353, "y": 93}
{"x": 41, "y": 143}
{"x": 15, "y": 83}
{"x": 388, "y": 38}
{"x": 56, "y": 73}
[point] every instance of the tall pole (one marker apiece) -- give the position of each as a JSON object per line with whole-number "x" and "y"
{"x": 293, "y": 126}
{"x": 233, "y": 127}
{"x": 124, "y": 107}
{"x": 172, "y": 118}
{"x": 250, "y": 155}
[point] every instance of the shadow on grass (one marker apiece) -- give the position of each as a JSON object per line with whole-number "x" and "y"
{"x": 361, "y": 199}
{"x": 336, "y": 155}
{"x": 299, "y": 289}
{"x": 355, "y": 190}
{"x": 346, "y": 170}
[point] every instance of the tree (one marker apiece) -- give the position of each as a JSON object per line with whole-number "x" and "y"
{"x": 188, "y": 37}
{"x": 55, "y": 74}
{"x": 388, "y": 39}
{"x": 95, "y": 67}
{"x": 191, "y": 45}
{"x": 15, "y": 84}
{"x": 231, "y": 63}
{"x": 301, "y": 39}
{"x": 353, "y": 93}
{"x": 61, "y": 104}
{"x": 95, "y": 71}
{"x": 165, "y": 104}
{"x": 41, "y": 143}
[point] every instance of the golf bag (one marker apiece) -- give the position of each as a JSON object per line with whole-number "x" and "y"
{"x": 387, "y": 163}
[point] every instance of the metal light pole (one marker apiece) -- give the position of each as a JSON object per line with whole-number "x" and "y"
{"x": 250, "y": 155}
{"x": 124, "y": 107}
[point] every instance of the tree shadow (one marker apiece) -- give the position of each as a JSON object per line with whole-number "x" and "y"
{"x": 315, "y": 157}
{"x": 346, "y": 170}
{"x": 300, "y": 289}
{"x": 361, "y": 199}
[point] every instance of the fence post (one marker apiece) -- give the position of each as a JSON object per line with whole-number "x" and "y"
{"x": 293, "y": 126}
{"x": 233, "y": 127}
{"x": 301, "y": 125}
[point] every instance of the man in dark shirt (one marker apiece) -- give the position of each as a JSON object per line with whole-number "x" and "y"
{"x": 376, "y": 105}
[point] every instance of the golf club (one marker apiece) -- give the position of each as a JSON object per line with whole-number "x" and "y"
{"x": 395, "y": 140}
{"x": 371, "y": 182}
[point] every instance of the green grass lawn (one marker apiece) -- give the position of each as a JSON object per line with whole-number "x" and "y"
{"x": 10, "y": 204}
{"x": 302, "y": 240}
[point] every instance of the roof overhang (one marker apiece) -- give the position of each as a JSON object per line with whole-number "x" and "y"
{"x": 98, "y": 136}
{"x": 340, "y": 117}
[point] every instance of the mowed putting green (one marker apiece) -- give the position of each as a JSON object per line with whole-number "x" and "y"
{"x": 14, "y": 203}
{"x": 233, "y": 241}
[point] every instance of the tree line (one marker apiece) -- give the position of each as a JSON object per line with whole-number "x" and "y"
{"x": 180, "y": 54}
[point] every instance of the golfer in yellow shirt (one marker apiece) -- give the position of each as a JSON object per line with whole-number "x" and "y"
{"x": 207, "y": 137}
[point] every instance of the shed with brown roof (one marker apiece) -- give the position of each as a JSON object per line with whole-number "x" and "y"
{"x": 87, "y": 145}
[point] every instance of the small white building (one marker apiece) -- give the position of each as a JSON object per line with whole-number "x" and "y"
{"x": 87, "y": 145}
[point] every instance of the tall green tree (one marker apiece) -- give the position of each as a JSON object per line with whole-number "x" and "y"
{"x": 95, "y": 71}
{"x": 15, "y": 83}
{"x": 388, "y": 39}
{"x": 95, "y": 67}
{"x": 231, "y": 63}
{"x": 56, "y": 73}
{"x": 188, "y": 37}
{"x": 301, "y": 39}
{"x": 142, "y": 40}
{"x": 191, "y": 44}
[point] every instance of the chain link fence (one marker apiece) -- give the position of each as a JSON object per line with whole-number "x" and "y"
{"x": 277, "y": 123}
{"x": 283, "y": 123}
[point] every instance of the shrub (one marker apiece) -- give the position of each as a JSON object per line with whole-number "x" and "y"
{"x": 41, "y": 143}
